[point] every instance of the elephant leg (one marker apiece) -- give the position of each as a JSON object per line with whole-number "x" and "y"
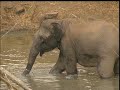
{"x": 58, "y": 67}
{"x": 116, "y": 67}
{"x": 106, "y": 66}
{"x": 71, "y": 67}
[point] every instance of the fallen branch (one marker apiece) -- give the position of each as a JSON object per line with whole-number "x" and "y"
{"x": 8, "y": 83}
{"x": 9, "y": 31}
{"x": 14, "y": 79}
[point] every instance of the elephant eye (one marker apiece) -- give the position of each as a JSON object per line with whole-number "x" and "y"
{"x": 43, "y": 42}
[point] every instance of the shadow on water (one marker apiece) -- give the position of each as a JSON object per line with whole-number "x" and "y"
{"x": 14, "y": 53}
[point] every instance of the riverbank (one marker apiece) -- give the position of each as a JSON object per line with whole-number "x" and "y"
{"x": 26, "y": 15}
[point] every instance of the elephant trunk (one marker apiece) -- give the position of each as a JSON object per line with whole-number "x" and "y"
{"x": 34, "y": 51}
{"x": 31, "y": 59}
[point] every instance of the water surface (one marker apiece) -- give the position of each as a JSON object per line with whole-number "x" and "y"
{"x": 14, "y": 53}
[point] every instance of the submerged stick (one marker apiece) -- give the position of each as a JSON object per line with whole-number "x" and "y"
{"x": 14, "y": 79}
{"x": 8, "y": 83}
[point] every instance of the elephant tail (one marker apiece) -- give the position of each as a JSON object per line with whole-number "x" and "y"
{"x": 116, "y": 66}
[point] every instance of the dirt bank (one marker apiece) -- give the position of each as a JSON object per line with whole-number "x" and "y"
{"x": 22, "y": 15}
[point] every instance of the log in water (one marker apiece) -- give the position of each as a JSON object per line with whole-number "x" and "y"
{"x": 13, "y": 78}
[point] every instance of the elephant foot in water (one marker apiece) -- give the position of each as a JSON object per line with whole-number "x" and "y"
{"x": 56, "y": 71}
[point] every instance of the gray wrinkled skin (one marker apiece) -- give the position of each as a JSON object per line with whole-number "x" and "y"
{"x": 95, "y": 43}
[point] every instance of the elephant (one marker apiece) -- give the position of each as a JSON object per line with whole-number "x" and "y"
{"x": 92, "y": 44}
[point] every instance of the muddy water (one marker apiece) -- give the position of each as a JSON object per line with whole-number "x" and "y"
{"x": 14, "y": 53}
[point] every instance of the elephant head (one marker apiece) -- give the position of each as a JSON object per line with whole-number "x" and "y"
{"x": 49, "y": 35}
{"x": 46, "y": 39}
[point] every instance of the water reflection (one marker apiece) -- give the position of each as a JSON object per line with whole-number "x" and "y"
{"x": 110, "y": 84}
{"x": 32, "y": 83}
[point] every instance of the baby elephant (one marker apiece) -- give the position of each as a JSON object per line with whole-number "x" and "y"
{"x": 95, "y": 43}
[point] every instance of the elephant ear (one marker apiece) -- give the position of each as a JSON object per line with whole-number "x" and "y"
{"x": 57, "y": 30}
{"x": 52, "y": 15}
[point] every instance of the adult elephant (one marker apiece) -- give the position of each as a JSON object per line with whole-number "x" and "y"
{"x": 95, "y": 43}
